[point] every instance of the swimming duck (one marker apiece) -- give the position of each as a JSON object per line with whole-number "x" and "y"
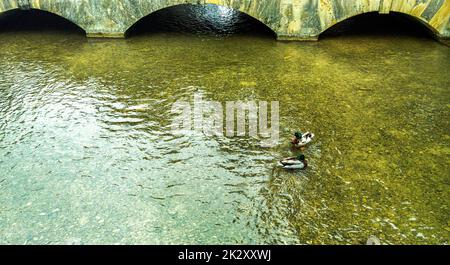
{"x": 296, "y": 162}
{"x": 301, "y": 140}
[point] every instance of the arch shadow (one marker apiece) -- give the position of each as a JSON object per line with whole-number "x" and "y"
{"x": 374, "y": 23}
{"x": 201, "y": 19}
{"x": 17, "y": 20}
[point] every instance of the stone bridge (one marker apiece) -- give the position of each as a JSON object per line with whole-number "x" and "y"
{"x": 289, "y": 19}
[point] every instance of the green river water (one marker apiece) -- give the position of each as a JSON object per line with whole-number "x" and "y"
{"x": 86, "y": 153}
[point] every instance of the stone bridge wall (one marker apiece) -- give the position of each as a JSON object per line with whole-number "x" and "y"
{"x": 289, "y": 19}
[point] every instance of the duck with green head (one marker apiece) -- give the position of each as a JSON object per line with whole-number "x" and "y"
{"x": 296, "y": 162}
{"x": 301, "y": 140}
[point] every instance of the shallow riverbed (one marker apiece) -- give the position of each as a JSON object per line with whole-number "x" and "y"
{"x": 86, "y": 155}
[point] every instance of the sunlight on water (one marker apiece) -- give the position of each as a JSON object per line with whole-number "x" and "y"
{"x": 86, "y": 154}
{"x": 199, "y": 19}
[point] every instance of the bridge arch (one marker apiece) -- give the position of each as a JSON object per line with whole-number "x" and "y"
{"x": 26, "y": 5}
{"x": 254, "y": 10}
{"x": 418, "y": 25}
{"x": 433, "y": 14}
{"x": 289, "y": 19}
{"x": 419, "y": 21}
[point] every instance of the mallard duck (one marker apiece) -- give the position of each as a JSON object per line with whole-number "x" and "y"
{"x": 301, "y": 140}
{"x": 296, "y": 162}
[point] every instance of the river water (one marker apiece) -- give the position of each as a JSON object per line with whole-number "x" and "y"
{"x": 86, "y": 153}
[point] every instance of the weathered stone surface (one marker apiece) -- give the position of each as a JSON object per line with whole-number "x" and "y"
{"x": 289, "y": 19}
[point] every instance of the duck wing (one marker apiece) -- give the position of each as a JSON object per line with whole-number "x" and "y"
{"x": 296, "y": 166}
{"x": 287, "y": 162}
{"x": 307, "y": 139}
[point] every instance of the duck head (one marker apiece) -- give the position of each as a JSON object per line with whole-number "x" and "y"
{"x": 301, "y": 157}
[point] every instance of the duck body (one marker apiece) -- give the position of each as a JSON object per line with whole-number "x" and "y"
{"x": 302, "y": 140}
{"x": 294, "y": 162}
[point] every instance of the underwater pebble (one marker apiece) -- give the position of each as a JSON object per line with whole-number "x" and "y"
{"x": 73, "y": 241}
{"x": 373, "y": 240}
{"x": 420, "y": 235}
